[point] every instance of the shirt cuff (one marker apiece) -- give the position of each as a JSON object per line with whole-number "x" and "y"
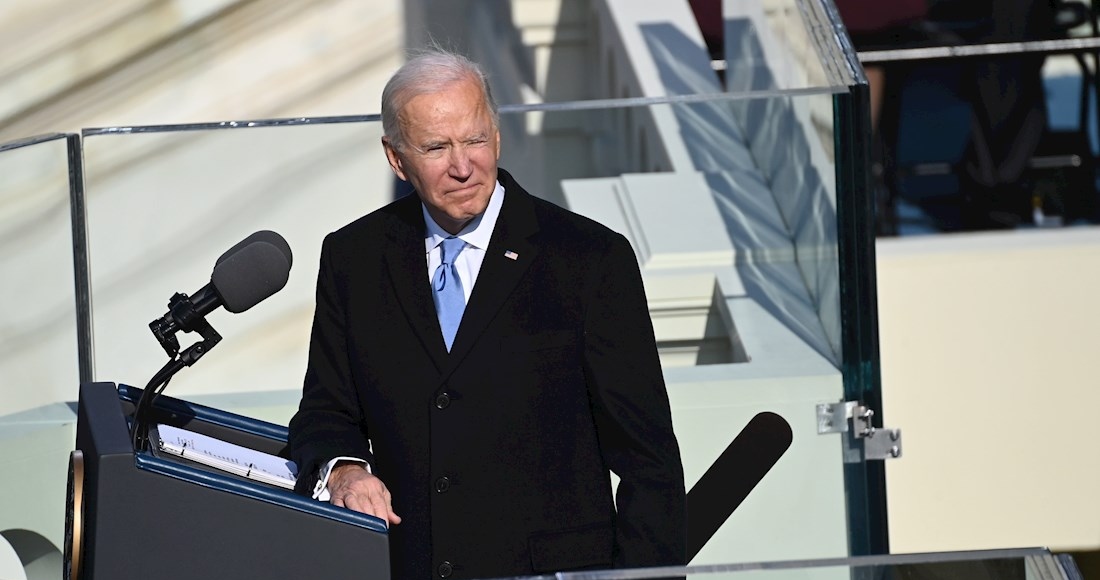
{"x": 320, "y": 491}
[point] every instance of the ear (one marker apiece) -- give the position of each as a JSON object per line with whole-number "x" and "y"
{"x": 497, "y": 144}
{"x": 394, "y": 159}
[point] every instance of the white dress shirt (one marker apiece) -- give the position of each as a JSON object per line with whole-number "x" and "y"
{"x": 476, "y": 234}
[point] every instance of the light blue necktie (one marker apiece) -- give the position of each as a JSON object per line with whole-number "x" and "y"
{"x": 447, "y": 289}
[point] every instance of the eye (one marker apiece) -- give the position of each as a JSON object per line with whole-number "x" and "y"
{"x": 434, "y": 151}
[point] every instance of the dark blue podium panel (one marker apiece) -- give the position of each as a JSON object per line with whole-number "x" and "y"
{"x": 147, "y": 516}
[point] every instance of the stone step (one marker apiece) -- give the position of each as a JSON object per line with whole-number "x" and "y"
{"x": 51, "y": 55}
{"x": 242, "y": 60}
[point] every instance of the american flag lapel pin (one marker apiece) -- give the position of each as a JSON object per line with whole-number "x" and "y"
{"x": 511, "y": 255}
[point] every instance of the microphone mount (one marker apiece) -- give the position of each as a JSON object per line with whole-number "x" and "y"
{"x": 184, "y": 315}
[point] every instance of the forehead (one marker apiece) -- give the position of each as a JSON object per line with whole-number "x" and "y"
{"x": 457, "y": 109}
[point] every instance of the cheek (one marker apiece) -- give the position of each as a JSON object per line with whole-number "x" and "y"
{"x": 425, "y": 174}
{"x": 485, "y": 158}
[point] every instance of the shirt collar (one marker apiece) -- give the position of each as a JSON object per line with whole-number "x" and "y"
{"x": 477, "y": 233}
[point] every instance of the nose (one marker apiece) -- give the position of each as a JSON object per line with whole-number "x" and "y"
{"x": 460, "y": 166}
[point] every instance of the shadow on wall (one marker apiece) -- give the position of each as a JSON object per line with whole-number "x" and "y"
{"x": 41, "y": 560}
{"x": 761, "y": 143}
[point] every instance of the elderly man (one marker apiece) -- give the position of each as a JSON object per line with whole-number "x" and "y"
{"x": 481, "y": 360}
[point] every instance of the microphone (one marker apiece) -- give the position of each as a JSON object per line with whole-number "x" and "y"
{"x": 245, "y": 275}
{"x": 736, "y": 472}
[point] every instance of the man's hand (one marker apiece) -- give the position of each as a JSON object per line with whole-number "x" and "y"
{"x": 355, "y": 488}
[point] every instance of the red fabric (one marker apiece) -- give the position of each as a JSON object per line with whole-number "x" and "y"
{"x": 875, "y": 15}
{"x": 708, "y": 13}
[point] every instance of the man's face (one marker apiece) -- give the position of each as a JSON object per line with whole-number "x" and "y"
{"x": 450, "y": 153}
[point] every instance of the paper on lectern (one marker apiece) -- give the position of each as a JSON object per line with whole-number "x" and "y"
{"x": 235, "y": 459}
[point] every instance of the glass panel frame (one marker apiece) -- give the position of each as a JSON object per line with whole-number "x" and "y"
{"x": 41, "y": 184}
{"x": 1007, "y": 564}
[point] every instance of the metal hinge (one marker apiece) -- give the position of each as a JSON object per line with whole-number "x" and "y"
{"x": 862, "y": 441}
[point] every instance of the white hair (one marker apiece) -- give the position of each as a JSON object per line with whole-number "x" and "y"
{"x": 427, "y": 73}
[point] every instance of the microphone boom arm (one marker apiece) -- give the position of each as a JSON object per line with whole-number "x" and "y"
{"x": 182, "y": 315}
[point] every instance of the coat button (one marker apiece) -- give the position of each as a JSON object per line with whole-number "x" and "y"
{"x": 443, "y": 484}
{"x": 445, "y": 569}
{"x": 443, "y": 401}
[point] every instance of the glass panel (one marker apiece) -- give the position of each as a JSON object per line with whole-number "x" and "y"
{"x": 775, "y": 44}
{"x": 621, "y": 48}
{"x": 739, "y": 259}
{"x": 38, "y": 336}
{"x": 734, "y": 203}
{"x": 162, "y": 206}
{"x": 744, "y": 301}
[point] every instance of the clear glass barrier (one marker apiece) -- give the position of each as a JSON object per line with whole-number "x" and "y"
{"x": 162, "y": 206}
{"x": 739, "y": 259}
{"x": 782, "y": 44}
{"x": 38, "y": 322}
{"x": 733, "y": 201}
{"x": 612, "y": 48}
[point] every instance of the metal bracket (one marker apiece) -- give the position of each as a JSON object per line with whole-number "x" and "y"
{"x": 863, "y": 441}
{"x": 833, "y": 417}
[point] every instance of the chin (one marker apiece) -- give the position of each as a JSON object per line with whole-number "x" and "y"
{"x": 464, "y": 218}
{"x": 473, "y": 205}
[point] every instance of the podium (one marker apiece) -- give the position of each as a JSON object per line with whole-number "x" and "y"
{"x": 136, "y": 514}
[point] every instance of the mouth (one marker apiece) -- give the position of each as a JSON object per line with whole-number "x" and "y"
{"x": 463, "y": 191}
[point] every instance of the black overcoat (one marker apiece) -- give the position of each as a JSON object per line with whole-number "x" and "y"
{"x": 497, "y": 454}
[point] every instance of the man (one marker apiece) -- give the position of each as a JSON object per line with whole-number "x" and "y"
{"x": 486, "y": 449}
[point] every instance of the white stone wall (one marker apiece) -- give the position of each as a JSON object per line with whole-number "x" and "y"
{"x": 989, "y": 365}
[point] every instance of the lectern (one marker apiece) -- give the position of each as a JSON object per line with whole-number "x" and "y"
{"x": 138, "y": 514}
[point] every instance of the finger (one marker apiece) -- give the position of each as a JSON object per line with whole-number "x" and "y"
{"x": 381, "y": 510}
{"x": 381, "y": 502}
{"x": 352, "y": 503}
{"x": 391, "y": 515}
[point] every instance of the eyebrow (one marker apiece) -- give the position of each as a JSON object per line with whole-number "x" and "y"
{"x": 441, "y": 142}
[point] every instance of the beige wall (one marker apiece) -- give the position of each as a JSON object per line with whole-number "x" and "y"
{"x": 991, "y": 367}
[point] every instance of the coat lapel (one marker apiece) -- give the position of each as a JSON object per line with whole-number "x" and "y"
{"x": 510, "y": 252}
{"x": 408, "y": 269}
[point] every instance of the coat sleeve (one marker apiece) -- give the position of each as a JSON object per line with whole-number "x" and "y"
{"x": 329, "y": 420}
{"x": 632, "y": 414}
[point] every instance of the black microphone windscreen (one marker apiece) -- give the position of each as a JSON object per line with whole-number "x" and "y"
{"x": 252, "y": 270}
